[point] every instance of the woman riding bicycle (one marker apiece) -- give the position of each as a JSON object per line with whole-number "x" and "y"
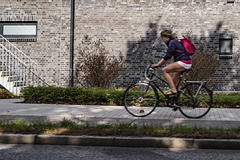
{"x": 181, "y": 60}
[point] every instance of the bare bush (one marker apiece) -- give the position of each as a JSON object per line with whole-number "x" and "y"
{"x": 96, "y": 67}
{"x": 204, "y": 66}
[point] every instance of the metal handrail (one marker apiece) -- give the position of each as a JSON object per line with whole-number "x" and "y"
{"x": 17, "y": 65}
{"x": 1, "y": 37}
{"x": 13, "y": 55}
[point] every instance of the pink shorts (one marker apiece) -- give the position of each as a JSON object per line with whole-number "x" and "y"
{"x": 185, "y": 64}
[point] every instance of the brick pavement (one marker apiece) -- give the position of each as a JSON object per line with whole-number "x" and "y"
{"x": 14, "y": 109}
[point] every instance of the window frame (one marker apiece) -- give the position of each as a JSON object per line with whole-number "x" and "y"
{"x": 2, "y": 24}
{"x": 231, "y": 47}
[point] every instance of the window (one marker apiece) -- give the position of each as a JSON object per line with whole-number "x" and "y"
{"x": 225, "y": 47}
{"x": 18, "y": 29}
{"x": 230, "y": 1}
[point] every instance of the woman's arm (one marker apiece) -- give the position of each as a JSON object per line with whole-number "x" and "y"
{"x": 171, "y": 49}
{"x": 160, "y": 63}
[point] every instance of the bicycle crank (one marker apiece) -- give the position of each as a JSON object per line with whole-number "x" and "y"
{"x": 140, "y": 99}
{"x": 171, "y": 102}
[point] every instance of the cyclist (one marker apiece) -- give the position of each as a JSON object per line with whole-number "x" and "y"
{"x": 181, "y": 60}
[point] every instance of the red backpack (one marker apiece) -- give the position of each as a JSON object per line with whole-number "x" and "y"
{"x": 188, "y": 45}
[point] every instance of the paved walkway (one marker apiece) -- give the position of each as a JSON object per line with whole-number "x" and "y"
{"x": 98, "y": 114}
{"x": 13, "y": 109}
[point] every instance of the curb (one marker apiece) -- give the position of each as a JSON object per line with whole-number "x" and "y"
{"x": 158, "y": 142}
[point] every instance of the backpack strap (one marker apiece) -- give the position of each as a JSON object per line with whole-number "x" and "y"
{"x": 180, "y": 51}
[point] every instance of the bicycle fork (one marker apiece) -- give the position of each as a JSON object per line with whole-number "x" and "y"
{"x": 140, "y": 99}
{"x": 146, "y": 89}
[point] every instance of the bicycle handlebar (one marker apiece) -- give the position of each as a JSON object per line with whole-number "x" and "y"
{"x": 150, "y": 73}
{"x": 151, "y": 62}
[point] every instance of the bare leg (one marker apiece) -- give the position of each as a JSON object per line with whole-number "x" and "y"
{"x": 173, "y": 67}
{"x": 175, "y": 78}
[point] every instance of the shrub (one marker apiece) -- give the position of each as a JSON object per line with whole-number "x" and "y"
{"x": 227, "y": 100}
{"x": 204, "y": 65}
{"x": 73, "y": 95}
{"x": 96, "y": 67}
{"x": 101, "y": 96}
{"x": 4, "y": 94}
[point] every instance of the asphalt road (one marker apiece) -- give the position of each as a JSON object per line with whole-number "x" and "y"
{"x": 53, "y": 152}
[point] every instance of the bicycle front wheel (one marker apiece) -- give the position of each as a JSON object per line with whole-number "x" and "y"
{"x": 140, "y": 99}
{"x": 195, "y": 100}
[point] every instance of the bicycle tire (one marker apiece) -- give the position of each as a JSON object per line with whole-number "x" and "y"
{"x": 140, "y": 99}
{"x": 194, "y": 107}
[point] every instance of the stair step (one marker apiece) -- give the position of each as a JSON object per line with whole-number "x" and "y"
{"x": 3, "y": 68}
{"x": 10, "y": 67}
{"x": 7, "y": 73}
{"x": 19, "y": 84}
{"x": 13, "y": 78}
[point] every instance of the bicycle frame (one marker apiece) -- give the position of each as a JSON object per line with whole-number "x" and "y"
{"x": 201, "y": 82}
{"x": 186, "y": 100}
{"x": 159, "y": 88}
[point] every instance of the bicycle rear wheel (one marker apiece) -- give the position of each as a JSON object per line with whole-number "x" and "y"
{"x": 140, "y": 99}
{"x": 194, "y": 100}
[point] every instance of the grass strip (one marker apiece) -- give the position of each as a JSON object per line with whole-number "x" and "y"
{"x": 68, "y": 127}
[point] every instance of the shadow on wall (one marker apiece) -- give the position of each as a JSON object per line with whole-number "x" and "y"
{"x": 229, "y": 68}
{"x": 152, "y": 48}
{"x": 226, "y": 74}
{"x": 139, "y": 53}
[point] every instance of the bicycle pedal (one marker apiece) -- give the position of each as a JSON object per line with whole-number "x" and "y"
{"x": 175, "y": 108}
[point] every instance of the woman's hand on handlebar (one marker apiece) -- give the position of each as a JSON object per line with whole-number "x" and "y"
{"x": 160, "y": 63}
{"x": 154, "y": 65}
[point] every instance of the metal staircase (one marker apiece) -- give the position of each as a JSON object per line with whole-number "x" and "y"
{"x": 17, "y": 70}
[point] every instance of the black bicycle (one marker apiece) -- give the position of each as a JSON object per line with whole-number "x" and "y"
{"x": 193, "y": 98}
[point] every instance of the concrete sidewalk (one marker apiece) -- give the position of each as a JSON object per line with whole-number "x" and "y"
{"x": 97, "y": 114}
{"x": 11, "y": 109}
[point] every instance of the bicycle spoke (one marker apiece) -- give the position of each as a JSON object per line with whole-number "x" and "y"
{"x": 195, "y": 100}
{"x": 140, "y": 99}
{"x": 149, "y": 99}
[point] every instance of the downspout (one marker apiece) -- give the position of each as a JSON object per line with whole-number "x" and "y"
{"x": 71, "y": 43}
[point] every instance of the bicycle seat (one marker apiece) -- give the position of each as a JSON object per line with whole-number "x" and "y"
{"x": 186, "y": 70}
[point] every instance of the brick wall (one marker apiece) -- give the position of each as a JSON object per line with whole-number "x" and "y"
{"x": 50, "y": 50}
{"x": 129, "y": 27}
